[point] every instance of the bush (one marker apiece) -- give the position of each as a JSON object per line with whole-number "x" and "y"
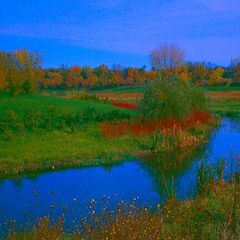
{"x": 5, "y": 132}
{"x": 66, "y": 120}
{"x": 14, "y": 122}
{"x": 31, "y": 118}
{"x": 51, "y": 114}
{"x": 116, "y": 115}
{"x": 171, "y": 99}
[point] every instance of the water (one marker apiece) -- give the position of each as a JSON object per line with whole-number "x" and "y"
{"x": 37, "y": 195}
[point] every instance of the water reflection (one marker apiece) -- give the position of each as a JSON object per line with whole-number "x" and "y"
{"x": 166, "y": 171}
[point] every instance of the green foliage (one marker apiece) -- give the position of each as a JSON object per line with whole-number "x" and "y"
{"x": 160, "y": 142}
{"x": 207, "y": 174}
{"x": 171, "y": 99}
{"x": 49, "y": 117}
{"x": 31, "y": 118}
{"x": 14, "y": 122}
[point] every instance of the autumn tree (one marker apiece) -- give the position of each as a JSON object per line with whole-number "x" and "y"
{"x": 235, "y": 66}
{"x": 89, "y": 78}
{"x": 182, "y": 72}
{"x": 2, "y": 71}
{"x": 103, "y": 75}
{"x": 198, "y": 72}
{"x": 216, "y": 76}
{"x": 118, "y": 74}
{"x": 74, "y": 78}
{"x": 152, "y": 75}
{"x": 236, "y": 76}
{"x": 51, "y": 79}
{"x": 18, "y": 71}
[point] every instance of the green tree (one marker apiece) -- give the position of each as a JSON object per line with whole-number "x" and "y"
{"x": 171, "y": 99}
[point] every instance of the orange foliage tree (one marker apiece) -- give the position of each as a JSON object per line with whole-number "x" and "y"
{"x": 18, "y": 71}
{"x": 51, "y": 79}
{"x": 74, "y": 78}
{"x": 216, "y": 76}
{"x": 199, "y": 73}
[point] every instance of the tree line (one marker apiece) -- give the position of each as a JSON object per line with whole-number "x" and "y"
{"x": 21, "y": 72}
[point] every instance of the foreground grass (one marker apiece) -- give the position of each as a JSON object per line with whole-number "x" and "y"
{"x": 212, "y": 216}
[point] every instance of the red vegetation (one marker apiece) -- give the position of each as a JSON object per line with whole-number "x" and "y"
{"x": 137, "y": 128}
{"x": 120, "y": 96}
{"x": 125, "y": 105}
{"x": 198, "y": 116}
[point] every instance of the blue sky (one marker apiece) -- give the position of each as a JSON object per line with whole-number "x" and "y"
{"x": 93, "y": 32}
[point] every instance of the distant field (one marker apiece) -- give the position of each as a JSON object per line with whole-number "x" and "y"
{"x": 141, "y": 89}
{"x": 124, "y": 89}
{"x": 220, "y": 88}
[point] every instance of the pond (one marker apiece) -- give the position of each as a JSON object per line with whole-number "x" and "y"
{"x": 147, "y": 180}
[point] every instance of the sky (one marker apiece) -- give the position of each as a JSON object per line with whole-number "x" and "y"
{"x": 94, "y": 32}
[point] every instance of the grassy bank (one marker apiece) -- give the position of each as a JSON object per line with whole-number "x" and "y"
{"x": 43, "y": 150}
{"x": 212, "y": 216}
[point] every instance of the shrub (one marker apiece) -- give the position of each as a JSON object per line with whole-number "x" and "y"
{"x": 79, "y": 119}
{"x": 5, "y": 132}
{"x": 171, "y": 99}
{"x": 51, "y": 114}
{"x": 116, "y": 115}
{"x": 14, "y": 122}
{"x": 89, "y": 114}
{"x": 66, "y": 120}
{"x": 31, "y": 118}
